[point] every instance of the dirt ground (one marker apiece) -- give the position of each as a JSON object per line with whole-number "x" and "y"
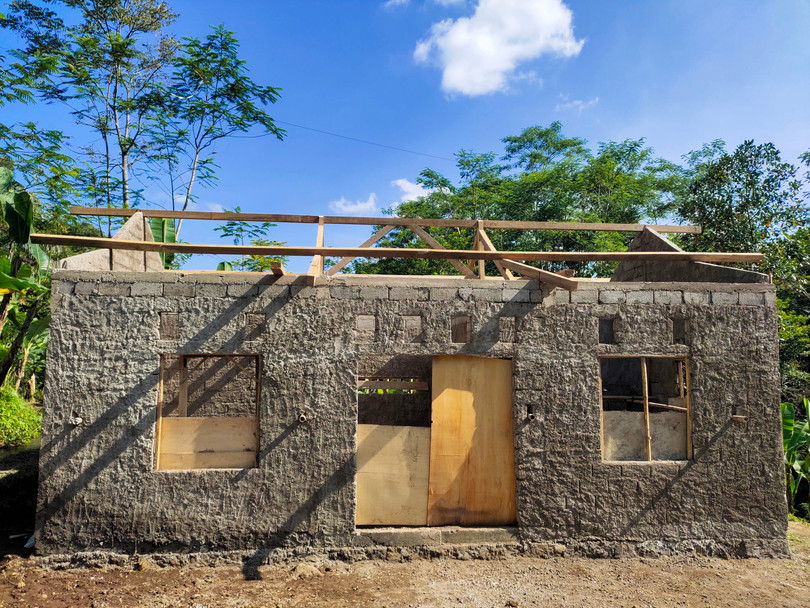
{"x": 512, "y": 582}
{"x": 683, "y": 581}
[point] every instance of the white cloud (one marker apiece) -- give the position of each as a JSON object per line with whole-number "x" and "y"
{"x": 347, "y": 207}
{"x": 449, "y": 2}
{"x": 479, "y": 54}
{"x": 575, "y": 104}
{"x": 179, "y": 199}
{"x": 396, "y": 3}
{"x": 410, "y": 190}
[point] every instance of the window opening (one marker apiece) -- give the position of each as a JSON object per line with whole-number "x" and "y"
{"x": 208, "y": 412}
{"x": 645, "y": 408}
{"x": 401, "y": 401}
{"x": 678, "y": 331}
{"x": 460, "y": 329}
{"x": 606, "y": 335}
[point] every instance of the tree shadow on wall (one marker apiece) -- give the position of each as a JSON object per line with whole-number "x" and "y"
{"x": 62, "y": 449}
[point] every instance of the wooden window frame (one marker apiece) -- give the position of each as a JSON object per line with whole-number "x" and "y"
{"x": 684, "y": 386}
{"x": 183, "y": 400}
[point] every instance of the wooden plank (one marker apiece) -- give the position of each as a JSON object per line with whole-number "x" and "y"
{"x": 378, "y": 221}
{"x": 488, "y": 246}
{"x": 392, "y": 475}
{"x": 393, "y": 385}
{"x": 182, "y": 394}
{"x": 482, "y": 270}
{"x": 316, "y": 267}
{"x": 646, "y": 402}
{"x": 688, "y": 411}
{"x": 277, "y": 268}
{"x": 457, "y": 264}
{"x": 191, "y": 435}
{"x": 472, "y": 471}
{"x": 471, "y": 263}
{"x": 159, "y": 412}
{"x": 367, "y": 243}
{"x": 601, "y": 415}
{"x": 207, "y": 460}
{"x": 381, "y": 252}
{"x": 541, "y": 275}
{"x": 663, "y": 406}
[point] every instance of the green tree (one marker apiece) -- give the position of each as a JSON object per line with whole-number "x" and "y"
{"x": 548, "y": 177}
{"x": 25, "y": 296}
{"x": 103, "y": 69}
{"x": 255, "y": 235}
{"x": 744, "y": 200}
{"x": 209, "y": 96}
{"x": 751, "y": 200}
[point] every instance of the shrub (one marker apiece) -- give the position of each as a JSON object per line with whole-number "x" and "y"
{"x": 19, "y": 422}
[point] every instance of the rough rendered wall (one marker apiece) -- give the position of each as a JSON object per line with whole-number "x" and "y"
{"x": 98, "y": 489}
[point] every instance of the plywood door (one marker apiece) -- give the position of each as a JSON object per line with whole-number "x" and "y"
{"x": 472, "y": 470}
{"x": 392, "y": 475}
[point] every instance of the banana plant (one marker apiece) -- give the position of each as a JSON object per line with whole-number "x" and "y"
{"x": 796, "y": 441}
{"x": 18, "y": 279}
{"x": 163, "y": 231}
{"x": 35, "y": 337}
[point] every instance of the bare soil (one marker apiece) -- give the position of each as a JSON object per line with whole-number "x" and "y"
{"x": 512, "y": 582}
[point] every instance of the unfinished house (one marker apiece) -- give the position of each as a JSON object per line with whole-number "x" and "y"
{"x": 211, "y": 411}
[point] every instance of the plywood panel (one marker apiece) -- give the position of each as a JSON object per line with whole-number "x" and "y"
{"x": 207, "y": 460}
{"x": 392, "y": 475}
{"x": 624, "y": 435}
{"x": 187, "y": 435}
{"x": 668, "y": 431}
{"x": 472, "y": 471}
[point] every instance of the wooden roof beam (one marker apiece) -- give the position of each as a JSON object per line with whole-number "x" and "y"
{"x": 384, "y": 252}
{"x": 383, "y": 221}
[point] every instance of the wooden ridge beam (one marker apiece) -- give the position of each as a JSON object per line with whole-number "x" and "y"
{"x": 381, "y": 252}
{"x": 384, "y": 221}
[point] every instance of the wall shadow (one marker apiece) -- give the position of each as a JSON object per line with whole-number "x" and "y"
{"x": 52, "y": 458}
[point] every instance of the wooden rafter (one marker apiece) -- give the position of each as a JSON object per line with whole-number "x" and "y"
{"x": 386, "y": 252}
{"x": 488, "y": 246}
{"x": 531, "y": 272}
{"x": 457, "y": 263}
{"x": 368, "y": 243}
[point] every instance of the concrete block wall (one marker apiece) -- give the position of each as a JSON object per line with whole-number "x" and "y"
{"x": 98, "y": 489}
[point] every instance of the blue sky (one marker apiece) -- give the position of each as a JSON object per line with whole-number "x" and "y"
{"x": 435, "y": 76}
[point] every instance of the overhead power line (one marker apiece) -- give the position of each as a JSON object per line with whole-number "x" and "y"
{"x": 362, "y": 141}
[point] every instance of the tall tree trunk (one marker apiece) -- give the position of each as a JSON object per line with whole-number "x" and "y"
{"x": 4, "y": 306}
{"x": 125, "y": 179}
{"x": 5, "y": 366}
{"x": 188, "y": 190}
{"x": 21, "y": 370}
